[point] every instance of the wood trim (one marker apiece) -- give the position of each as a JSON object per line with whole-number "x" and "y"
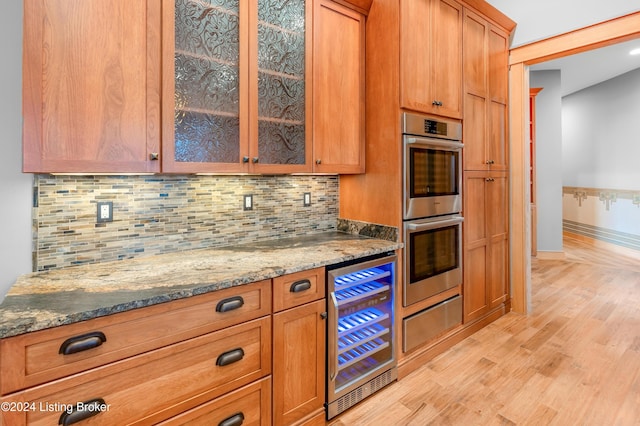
{"x": 551, "y": 255}
{"x": 520, "y": 251}
{"x": 487, "y": 10}
{"x": 588, "y": 38}
{"x": 360, "y": 6}
{"x": 599, "y": 35}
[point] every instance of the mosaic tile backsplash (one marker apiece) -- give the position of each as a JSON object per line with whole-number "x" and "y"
{"x": 162, "y": 214}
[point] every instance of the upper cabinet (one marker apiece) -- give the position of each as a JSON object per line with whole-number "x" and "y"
{"x": 431, "y": 56}
{"x": 91, "y": 86}
{"x": 485, "y": 94}
{"x": 235, "y": 87}
{"x": 338, "y": 89}
{"x": 237, "y": 81}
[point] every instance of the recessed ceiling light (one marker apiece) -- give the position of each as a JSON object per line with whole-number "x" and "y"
{"x": 635, "y": 52}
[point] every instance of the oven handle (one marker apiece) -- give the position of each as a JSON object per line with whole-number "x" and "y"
{"x": 433, "y": 225}
{"x": 434, "y": 142}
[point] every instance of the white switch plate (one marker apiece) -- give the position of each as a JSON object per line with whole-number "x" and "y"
{"x": 248, "y": 202}
{"x": 307, "y": 199}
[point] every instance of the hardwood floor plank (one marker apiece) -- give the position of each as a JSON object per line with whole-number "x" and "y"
{"x": 574, "y": 360}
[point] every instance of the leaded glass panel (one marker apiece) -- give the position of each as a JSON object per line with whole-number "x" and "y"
{"x": 281, "y": 84}
{"x": 207, "y": 88}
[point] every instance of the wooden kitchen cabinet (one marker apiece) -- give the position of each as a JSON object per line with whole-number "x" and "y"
{"x": 299, "y": 348}
{"x": 236, "y": 92}
{"x": 91, "y": 86}
{"x": 431, "y": 56}
{"x": 35, "y": 358}
{"x": 338, "y": 89}
{"x": 156, "y": 385}
{"x": 144, "y": 365}
{"x": 485, "y": 95}
{"x": 486, "y": 242}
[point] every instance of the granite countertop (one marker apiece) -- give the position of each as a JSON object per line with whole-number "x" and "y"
{"x": 42, "y": 300}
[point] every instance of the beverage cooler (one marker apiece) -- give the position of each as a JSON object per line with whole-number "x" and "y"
{"x": 361, "y": 355}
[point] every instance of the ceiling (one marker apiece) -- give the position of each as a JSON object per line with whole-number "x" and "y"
{"x": 589, "y": 68}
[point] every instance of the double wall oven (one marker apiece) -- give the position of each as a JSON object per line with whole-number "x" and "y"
{"x": 432, "y": 205}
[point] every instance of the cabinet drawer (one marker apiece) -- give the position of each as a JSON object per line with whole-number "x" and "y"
{"x": 36, "y": 358}
{"x": 251, "y": 403}
{"x": 156, "y": 385}
{"x": 298, "y": 288}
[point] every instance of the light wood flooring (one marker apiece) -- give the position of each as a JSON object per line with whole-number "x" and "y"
{"x": 574, "y": 360}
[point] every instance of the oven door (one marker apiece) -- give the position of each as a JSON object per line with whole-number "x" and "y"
{"x": 433, "y": 257}
{"x": 432, "y": 177}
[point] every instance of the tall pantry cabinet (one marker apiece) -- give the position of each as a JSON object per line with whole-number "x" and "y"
{"x": 485, "y": 159}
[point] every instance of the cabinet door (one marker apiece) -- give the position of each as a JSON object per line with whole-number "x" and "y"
{"x": 476, "y": 242}
{"x": 486, "y": 242}
{"x": 415, "y": 55}
{"x": 338, "y": 89}
{"x": 205, "y": 86}
{"x": 498, "y": 234}
{"x": 299, "y": 341}
{"x": 446, "y": 54}
{"x": 431, "y": 56}
{"x": 280, "y": 69}
{"x": 91, "y": 86}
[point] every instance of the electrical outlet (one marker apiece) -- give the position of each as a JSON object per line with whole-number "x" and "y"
{"x": 105, "y": 211}
{"x": 248, "y": 202}
{"x": 307, "y": 199}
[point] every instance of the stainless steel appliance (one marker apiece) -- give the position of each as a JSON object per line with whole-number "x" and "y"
{"x": 361, "y": 352}
{"x": 433, "y": 256}
{"x": 432, "y": 166}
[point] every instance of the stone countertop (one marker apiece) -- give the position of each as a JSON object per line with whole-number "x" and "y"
{"x": 47, "y": 299}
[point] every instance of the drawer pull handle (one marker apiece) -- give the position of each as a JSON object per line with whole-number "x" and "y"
{"x": 235, "y": 420}
{"x": 299, "y": 286}
{"x": 83, "y": 411}
{"x": 82, "y": 343}
{"x": 229, "y": 304}
{"x": 230, "y": 357}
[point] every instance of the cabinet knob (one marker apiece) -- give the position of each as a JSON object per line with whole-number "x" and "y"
{"x": 318, "y": 161}
{"x": 154, "y": 156}
{"x": 436, "y": 103}
{"x": 245, "y": 159}
{"x": 489, "y": 179}
{"x": 490, "y": 162}
{"x": 323, "y": 315}
{"x": 255, "y": 159}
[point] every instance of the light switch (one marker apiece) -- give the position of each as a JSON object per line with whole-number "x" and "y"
{"x": 248, "y": 202}
{"x": 307, "y": 199}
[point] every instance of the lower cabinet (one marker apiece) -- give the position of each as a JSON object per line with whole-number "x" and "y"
{"x": 250, "y": 355}
{"x": 486, "y": 242}
{"x": 299, "y": 364}
{"x": 299, "y": 348}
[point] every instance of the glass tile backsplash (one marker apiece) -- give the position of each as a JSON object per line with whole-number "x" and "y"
{"x": 162, "y": 214}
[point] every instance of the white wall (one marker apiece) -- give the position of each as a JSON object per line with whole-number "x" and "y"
{"x": 15, "y": 187}
{"x": 542, "y": 19}
{"x": 548, "y": 159}
{"x": 601, "y": 151}
{"x": 601, "y": 135}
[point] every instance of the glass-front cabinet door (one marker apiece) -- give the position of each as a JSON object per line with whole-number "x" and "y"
{"x": 234, "y": 92}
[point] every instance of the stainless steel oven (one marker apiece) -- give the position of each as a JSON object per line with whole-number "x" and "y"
{"x": 432, "y": 166}
{"x": 433, "y": 256}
